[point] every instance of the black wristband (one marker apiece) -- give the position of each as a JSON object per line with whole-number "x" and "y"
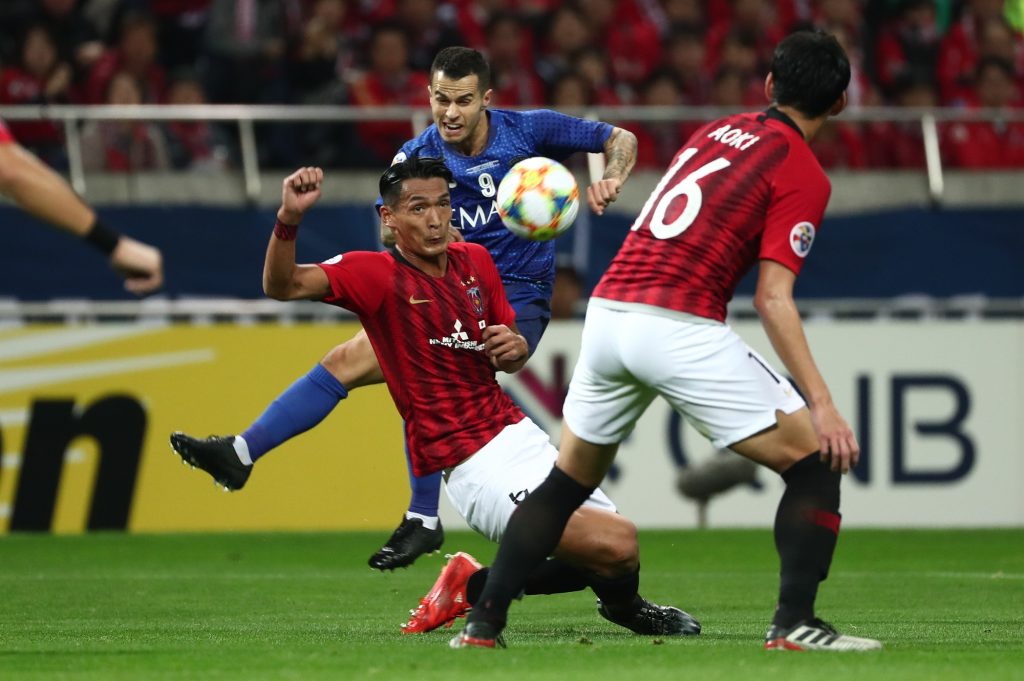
{"x": 102, "y": 237}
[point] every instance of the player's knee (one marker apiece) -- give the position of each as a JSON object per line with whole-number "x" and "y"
{"x": 353, "y": 363}
{"x": 616, "y": 549}
{"x": 336, "y": 359}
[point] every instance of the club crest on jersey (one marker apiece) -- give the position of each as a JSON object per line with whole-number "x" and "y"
{"x": 476, "y": 299}
{"x": 801, "y": 237}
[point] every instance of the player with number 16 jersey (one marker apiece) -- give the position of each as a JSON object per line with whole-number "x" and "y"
{"x": 744, "y": 188}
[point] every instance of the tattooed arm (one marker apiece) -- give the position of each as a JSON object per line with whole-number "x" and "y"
{"x": 619, "y": 159}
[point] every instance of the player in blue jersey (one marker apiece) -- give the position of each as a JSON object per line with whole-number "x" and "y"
{"x": 479, "y": 145}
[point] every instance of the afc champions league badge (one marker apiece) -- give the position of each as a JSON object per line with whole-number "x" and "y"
{"x": 476, "y": 299}
{"x": 801, "y": 237}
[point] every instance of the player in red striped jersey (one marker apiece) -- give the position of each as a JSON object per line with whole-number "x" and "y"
{"x": 44, "y": 195}
{"x": 436, "y": 314}
{"x": 743, "y": 190}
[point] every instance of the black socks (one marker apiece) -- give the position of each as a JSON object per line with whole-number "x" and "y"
{"x": 553, "y": 576}
{"x": 533, "y": 532}
{"x": 806, "y": 530}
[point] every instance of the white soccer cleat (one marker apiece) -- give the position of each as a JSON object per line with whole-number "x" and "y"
{"x": 816, "y": 634}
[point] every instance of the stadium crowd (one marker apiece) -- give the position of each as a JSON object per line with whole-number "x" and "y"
{"x": 956, "y": 53}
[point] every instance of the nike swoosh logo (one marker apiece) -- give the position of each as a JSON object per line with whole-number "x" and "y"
{"x": 414, "y": 301}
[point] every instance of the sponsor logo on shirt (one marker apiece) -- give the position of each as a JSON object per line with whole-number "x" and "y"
{"x": 335, "y": 259}
{"x": 801, "y": 237}
{"x": 459, "y": 340}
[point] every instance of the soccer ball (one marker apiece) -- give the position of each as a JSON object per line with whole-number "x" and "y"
{"x": 538, "y": 199}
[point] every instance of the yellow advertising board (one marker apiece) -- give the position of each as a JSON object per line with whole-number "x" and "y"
{"x": 86, "y": 411}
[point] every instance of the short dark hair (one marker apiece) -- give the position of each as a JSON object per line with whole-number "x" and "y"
{"x": 416, "y": 166}
{"x": 810, "y": 71}
{"x": 459, "y": 62}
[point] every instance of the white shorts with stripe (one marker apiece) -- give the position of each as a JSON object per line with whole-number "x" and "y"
{"x": 702, "y": 368}
{"x": 487, "y": 487}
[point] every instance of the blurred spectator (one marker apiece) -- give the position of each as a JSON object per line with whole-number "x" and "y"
{"x": 566, "y": 293}
{"x": 591, "y": 63}
{"x": 754, "y": 25}
{"x": 571, "y": 90}
{"x": 685, "y": 57}
{"x": 898, "y": 144}
{"x": 984, "y": 144}
{"x": 123, "y": 146}
{"x": 389, "y": 81}
{"x": 244, "y": 52}
{"x": 830, "y": 15}
{"x": 959, "y": 55}
{"x": 959, "y": 59}
{"x": 783, "y": 13}
{"x": 908, "y": 45}
{"x": 473, "y": 16}
{"x": 658, "y": 141}
{"x": 729, "y": 88}
{"x": 38, "y": 78}
{"x": 683, "y": 13}
{"x": 323, "y": 55}
{"x": 134, "y": 54}
{"x": 181, "y": 24}
{"x": 565, "y": 33}
{"x": 632, "y": 41}
{"x": 839, "y": 146}
{"x": 429, "y": 30}
{"x": 739, "y": 54}
{"x": 509, "y": 47}
{"x": 193, "y": 145}
{"x": 78, "y": 42}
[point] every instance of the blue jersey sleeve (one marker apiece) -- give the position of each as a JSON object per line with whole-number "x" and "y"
{"x": 559, "y": 136}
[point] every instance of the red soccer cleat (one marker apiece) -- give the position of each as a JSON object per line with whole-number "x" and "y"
{"x": 446, "y": 600}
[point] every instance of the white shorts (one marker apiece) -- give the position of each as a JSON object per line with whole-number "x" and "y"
{"x": 706, "y": 372}
{"x": 487, "y": 487}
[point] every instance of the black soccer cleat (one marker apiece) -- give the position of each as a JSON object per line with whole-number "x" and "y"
{"x": 407, "y": 543}
{"x": 655, "y": 620}
{"x": 478, "y": 635}
{"x": 216, "y": 456}
{"x": 816, "y": 634}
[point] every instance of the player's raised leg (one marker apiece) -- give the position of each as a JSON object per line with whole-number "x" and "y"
{"x": 806, "y": 529}
{"x": 229, "y": 459}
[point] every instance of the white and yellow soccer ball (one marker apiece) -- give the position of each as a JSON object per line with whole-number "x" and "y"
{"x": 538, "y": 199}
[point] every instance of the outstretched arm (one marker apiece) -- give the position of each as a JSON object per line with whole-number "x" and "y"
{"x": 781, "y": 320}
{"x": 283, "y": 279}
{"x": 44, "y": 195}
{"x": 619, "y": 159}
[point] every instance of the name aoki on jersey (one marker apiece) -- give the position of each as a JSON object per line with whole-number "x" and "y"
{"x": 734, "y": 137}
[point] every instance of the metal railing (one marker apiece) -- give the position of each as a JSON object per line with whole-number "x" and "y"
{"x": 246, "y": 116}
{"x": 14, "y": 312}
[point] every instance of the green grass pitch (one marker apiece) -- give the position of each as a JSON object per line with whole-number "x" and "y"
{"x": 947, "y": 605}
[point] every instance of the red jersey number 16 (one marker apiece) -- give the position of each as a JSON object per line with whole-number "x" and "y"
{"x": 687, "y": 186}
